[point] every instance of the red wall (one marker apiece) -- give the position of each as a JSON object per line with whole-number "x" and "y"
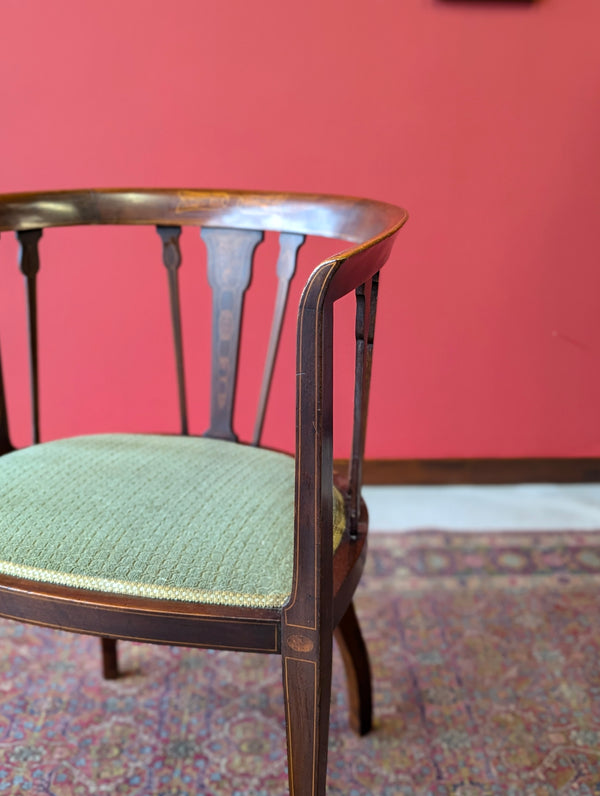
{"x": 482, "y": 118}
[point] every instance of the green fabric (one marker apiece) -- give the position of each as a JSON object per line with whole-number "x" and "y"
{"x": 181, "y": 518}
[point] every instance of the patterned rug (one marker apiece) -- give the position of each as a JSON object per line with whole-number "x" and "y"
{"x": 486, "y": 663}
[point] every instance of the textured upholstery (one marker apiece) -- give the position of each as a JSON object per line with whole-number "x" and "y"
{"x": 180, "y": 518}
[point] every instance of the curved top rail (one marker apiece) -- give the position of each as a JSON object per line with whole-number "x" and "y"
{"x": 347, "y": 218}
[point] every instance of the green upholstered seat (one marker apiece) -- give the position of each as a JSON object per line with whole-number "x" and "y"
{"x": 181, "y": 518}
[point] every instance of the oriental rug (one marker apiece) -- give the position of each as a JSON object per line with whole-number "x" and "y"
{"x": 486, "y": 662}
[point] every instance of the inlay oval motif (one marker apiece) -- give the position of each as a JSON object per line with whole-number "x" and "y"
{"x": 300, "y": 643}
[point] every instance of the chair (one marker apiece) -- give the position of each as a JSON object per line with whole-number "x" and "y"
{"x": 201, "y": 540}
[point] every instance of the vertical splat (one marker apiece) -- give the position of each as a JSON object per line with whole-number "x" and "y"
{"x": 366, "y": 305}
{"x": 30, "y": 265}
{"x": 289, "y": 245}
{"x": 172, "y": 261}
{"x": 5, "y": 445}
{"x": 230, "y": 255}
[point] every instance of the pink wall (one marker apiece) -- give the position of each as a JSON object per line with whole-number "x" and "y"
{"x": 482, "y": 118}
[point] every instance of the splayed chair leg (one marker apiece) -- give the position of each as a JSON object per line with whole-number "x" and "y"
{"x": 110, "y": 663}
{"x": 358, "y": 671}
{"x": 307, "y": 693}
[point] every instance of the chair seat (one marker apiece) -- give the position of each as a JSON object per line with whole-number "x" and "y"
{"x": 177, "y": 518}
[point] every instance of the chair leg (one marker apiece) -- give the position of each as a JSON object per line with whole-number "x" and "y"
{"x": 358, "y": 671}
{"x": 307, "y": 694}
{"x": 110, "y": 663}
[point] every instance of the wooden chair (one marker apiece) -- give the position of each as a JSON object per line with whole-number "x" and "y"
{"x": 200, "y": 541}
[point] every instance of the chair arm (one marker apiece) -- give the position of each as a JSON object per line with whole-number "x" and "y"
{"x": 357, "y": 268}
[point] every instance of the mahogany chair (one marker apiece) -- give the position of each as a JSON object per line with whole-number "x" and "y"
{"x": 205, "y": 541}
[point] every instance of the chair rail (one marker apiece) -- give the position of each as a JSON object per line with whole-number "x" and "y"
{"x": 347, "y": 218}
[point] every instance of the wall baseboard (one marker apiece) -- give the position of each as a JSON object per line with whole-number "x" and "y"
{"x": 477, "y": 471}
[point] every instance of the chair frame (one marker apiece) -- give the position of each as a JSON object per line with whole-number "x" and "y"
{"x": 323, "y": 582}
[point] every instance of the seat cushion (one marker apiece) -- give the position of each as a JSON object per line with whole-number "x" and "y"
{"x": 178, "y": 518}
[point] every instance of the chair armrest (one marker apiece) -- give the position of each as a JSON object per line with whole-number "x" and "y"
{"x": 355, "y": 269}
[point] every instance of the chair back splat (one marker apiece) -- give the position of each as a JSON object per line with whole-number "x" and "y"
{"x": 5, "y": 446}
{"x": 230, "y": 255}
{"x": 289, "y": 245}
{"x": 205, "y": 541}
{"x": 172, "y": 261}
{"x": 30, "y": 265}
